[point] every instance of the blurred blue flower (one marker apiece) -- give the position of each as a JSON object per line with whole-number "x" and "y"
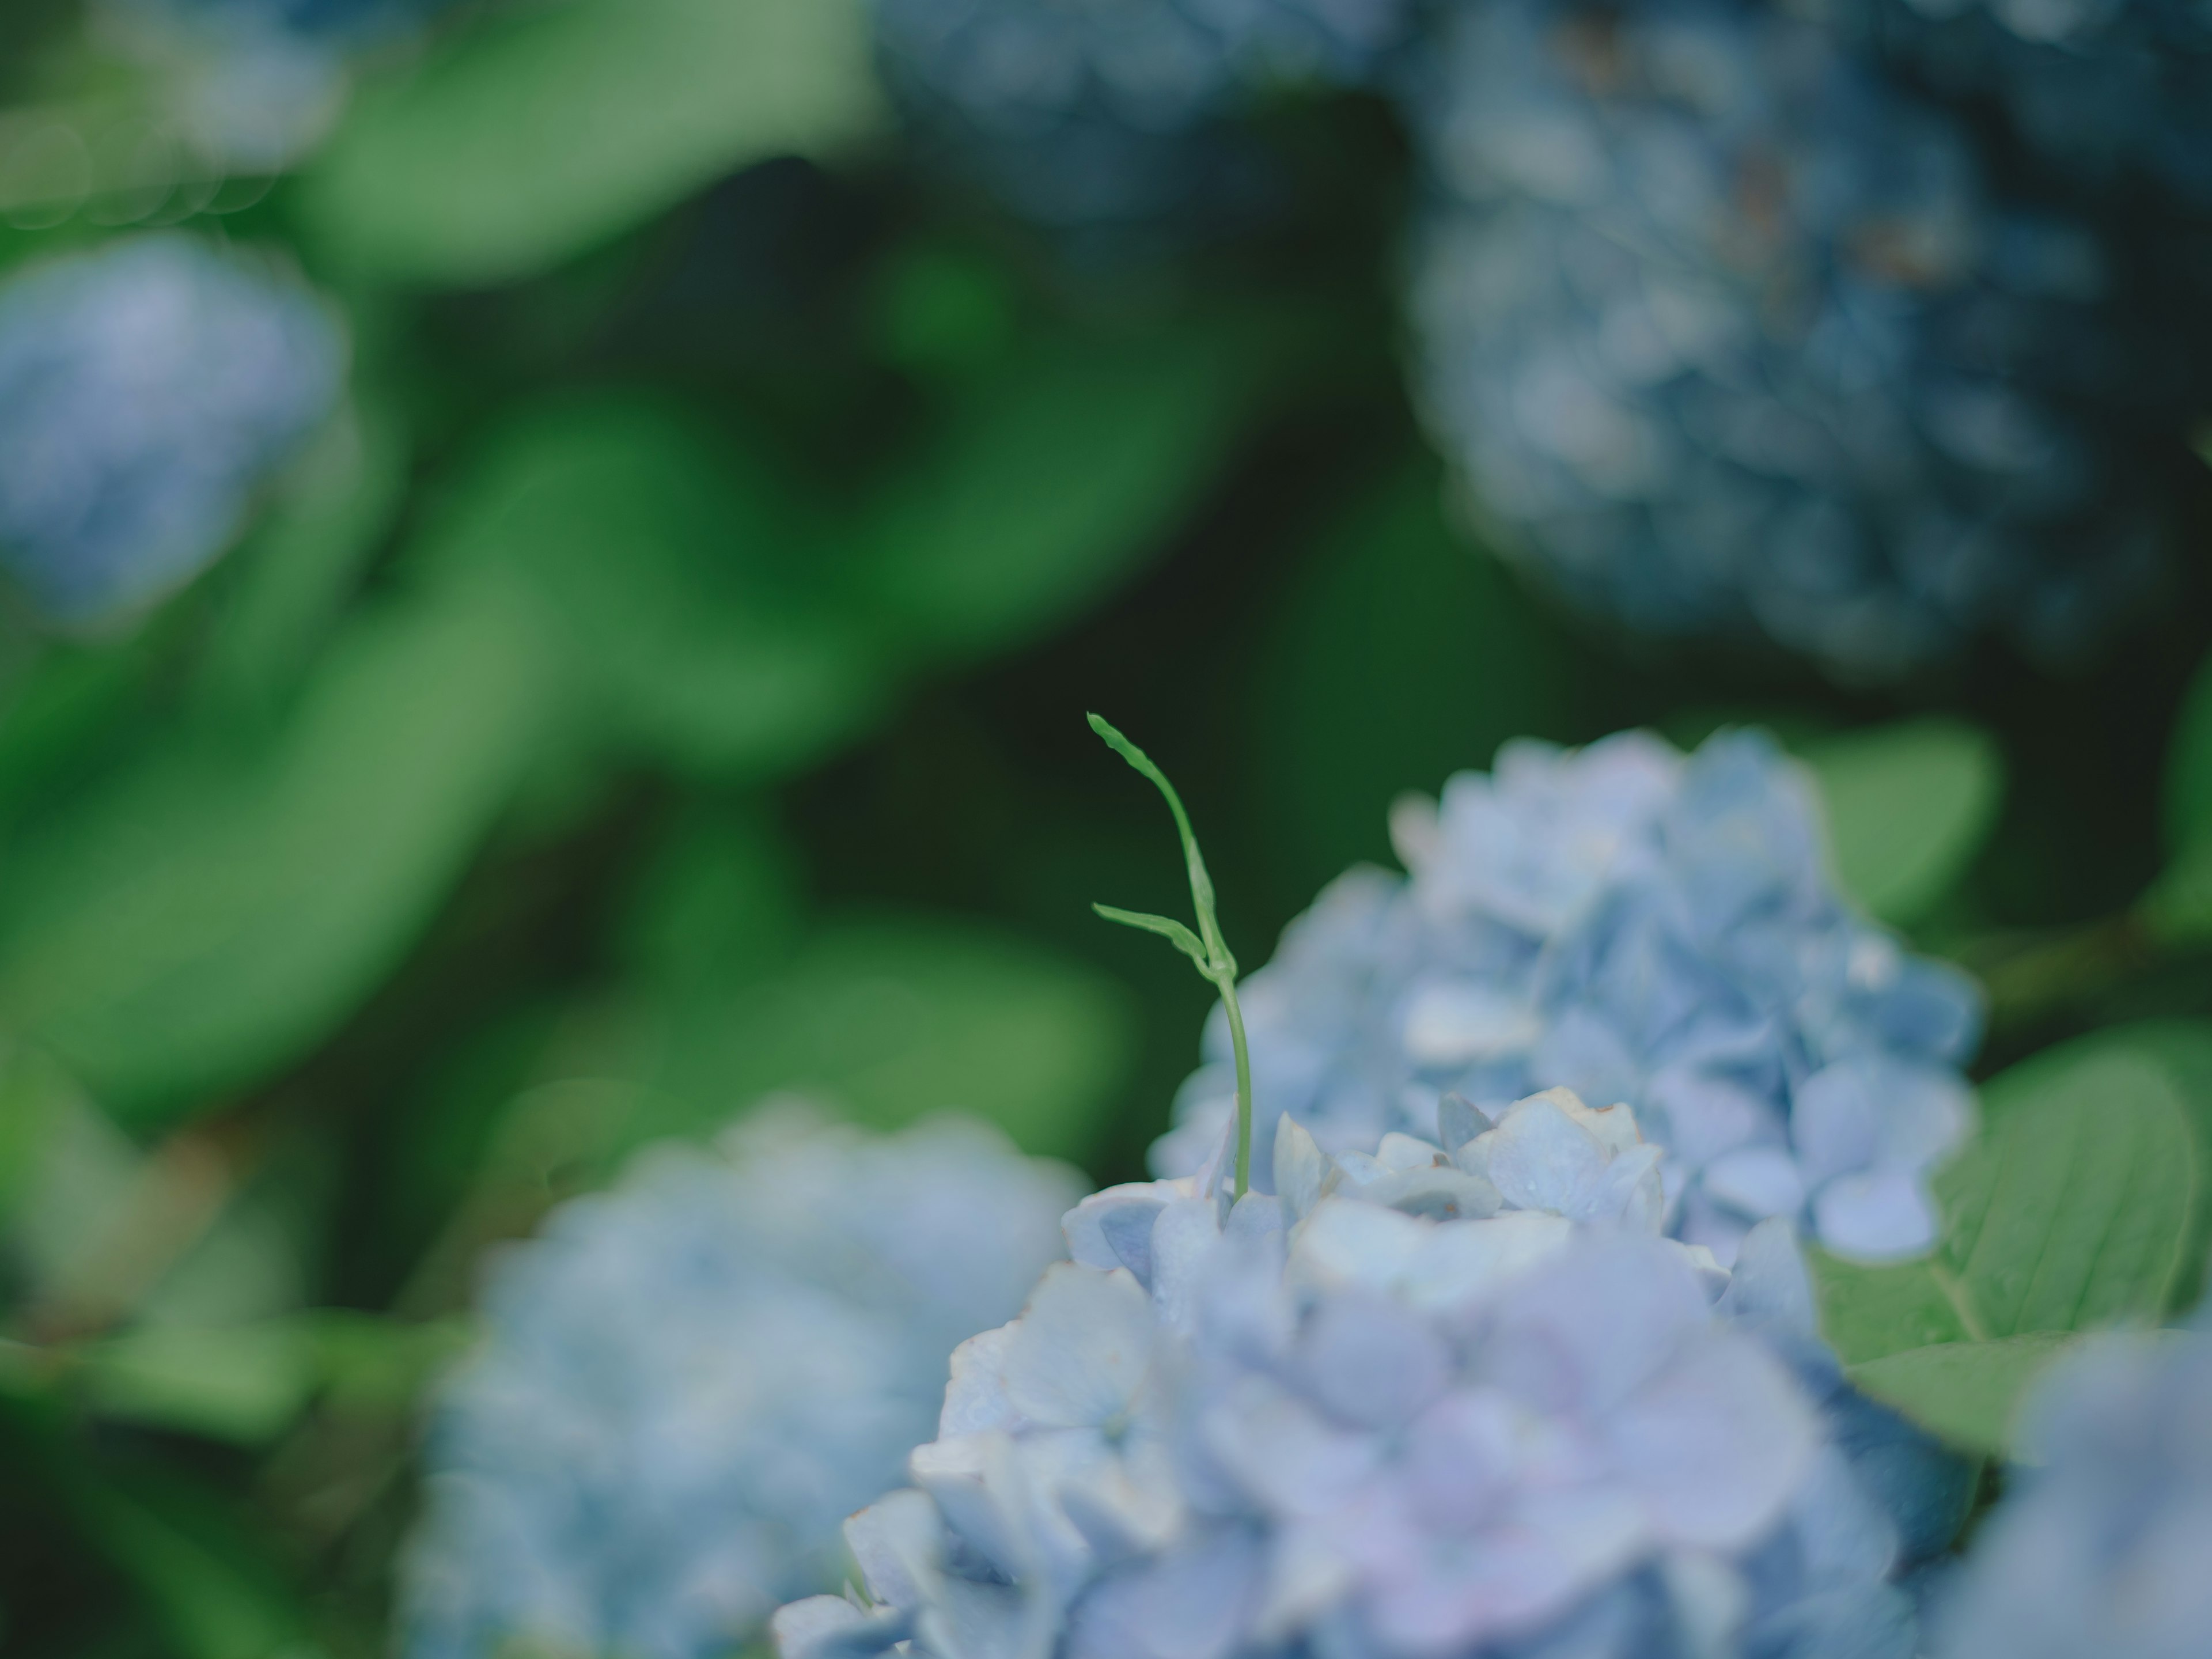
{"x": 686, "y": 1383}
{"x": 1637, "y": 925}
{"x": 254, "y": 84}
{"x": 1324, "y": 1425}
{"x": 2105, "y": 1545}
{"x": 147, "y": 390}
{"x": 1726, "y": 333}
{"x": 1079, "y": 113}
{"x": 2105, "y": 90}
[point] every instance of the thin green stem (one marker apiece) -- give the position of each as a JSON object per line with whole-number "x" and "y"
{"x": 1208, "y": 950}
{"x": 1228, "y": 987}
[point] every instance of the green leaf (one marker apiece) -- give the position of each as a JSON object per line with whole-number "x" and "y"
{"x": 247, "y": 1383}
{"x": 889, "y": 1018}
{"x": 289, "y": 583}
{"x": 373, "y": 1364}
{"x": 1042, "y": 487}
{"x": 718, "y": 898}
{"x": 545, "y": 131}
{"x": 2182, "y": 1049}
{"x": 1398, "y": 654}
{"x": 240, "y": 1383}
{"x": 2069, "y": 1213}
{"x": 218, "y": 912}
{"x": 1167, "y": 926}
{"x": 36, "y": 1100}
{"x": 2178, "y": 908}
{"x": 208, "y": 1579}
{"x": 2188, "y": 795}
{"x": 1910, "y": 805}
{"x": 1967, "y": 1391}
{"x": 698, "y": 643}
{"x": 944, "y": 310}
{"x": 69, "y": 705}
{"x": 1868, "y": 1312}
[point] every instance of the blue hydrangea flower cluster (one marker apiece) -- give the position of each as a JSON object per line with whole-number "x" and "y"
{"x": 256, "y": 83}
{"x": 1638, "y": 925}
{"x": 2104, "y": 1547}
{"x": 1728, "y": 333}
{"x": 1391, "y": 1411}
{"x": 686, "y": 1383}
{"x": 1098, "y": 111}
{"x": 2106, "y": 91}
{"x": 147, "y": 390}
{"x": 312, "y": 19}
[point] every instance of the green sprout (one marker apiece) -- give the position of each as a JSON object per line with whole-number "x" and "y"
{"x": 1214, "y": 963}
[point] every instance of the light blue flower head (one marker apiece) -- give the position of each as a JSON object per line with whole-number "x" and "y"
{"x": 147, "y": 392}
{"x": 1395, "y": 1410}
{"x": 2105, "y": 1545}
{"x": 687, "y": 1382}
{"x": 1084, "y": 112}
{"x": 1638, "y": 925}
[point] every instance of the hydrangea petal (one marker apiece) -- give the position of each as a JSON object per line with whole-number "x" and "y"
{"x": 1081, "y": 1348}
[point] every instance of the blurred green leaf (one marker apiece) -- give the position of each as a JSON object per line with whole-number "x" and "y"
{"x": 718, "y": 898}
{"x": 2178, "y": 908}
{"x": 219, "y": 912}
{"x": 1910, "y": 805}
{"x": 56, "y": 716}
{"x": 290, "y": 582}
{"x": 888, "y": 1019}
{"x": 659, "y": 553}
{"x": 2187, "y": 792}
{"x": 2069, "y": 1213}
{"x": 1046, "y": 484}
{"x": 1967, "y": 1391}
{"x": 944, "y": 310}
{"x": 253, "y": 1260}
{"x": 208, "y": 1579}
{"x": 1399, "y": 655}
{"x": 378, "y": 1364}
{"x": 544, "y": 131}
{"x": 247, "y": 1383}
{"x": 239, "y": 1382}
{"x": 36, "y": 1098}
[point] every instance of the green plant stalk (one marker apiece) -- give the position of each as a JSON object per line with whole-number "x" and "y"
{"x": 1243, "y": 1087}
{"x": 1206, "y": 949}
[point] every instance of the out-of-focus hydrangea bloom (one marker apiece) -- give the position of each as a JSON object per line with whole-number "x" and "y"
{"x": 2099, "y": 90}
{"x": 147, "y": 389}
{"x": 1637, "y": 925}
{"x": 1079, "y": 113}
{"x": 1728, "y": 333}
{"x": 2106, "y": 1548}
{"x": 256, "y": 83}
{"x": 688, "y": 1383}
{"x": 1386, "y": 1412}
